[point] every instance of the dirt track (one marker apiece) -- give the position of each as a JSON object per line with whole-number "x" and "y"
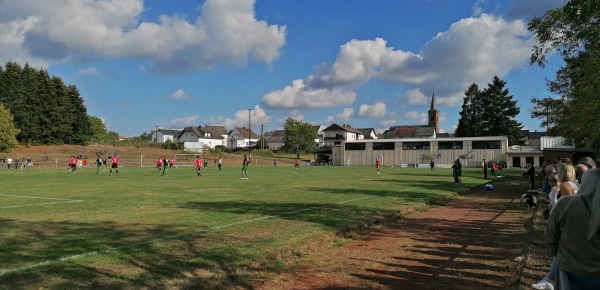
{"x": 471, "y": 243}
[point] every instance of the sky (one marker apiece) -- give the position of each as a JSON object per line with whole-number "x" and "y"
{"x": 368, "y": 63}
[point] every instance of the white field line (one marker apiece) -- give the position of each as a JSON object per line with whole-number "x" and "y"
{"x": 60, "y": 200}
{"x": 165, "y": 238}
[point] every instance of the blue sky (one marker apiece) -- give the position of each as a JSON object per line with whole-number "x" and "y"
{"x": 369, "y": 63}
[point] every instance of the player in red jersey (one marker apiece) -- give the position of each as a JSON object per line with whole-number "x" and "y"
{"x": 115, "y": 164}
{"x": 198, "y": 166}
{"x": 377, "y": 164}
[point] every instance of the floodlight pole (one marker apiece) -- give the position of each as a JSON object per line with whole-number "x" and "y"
{"x": 249, "y": 130}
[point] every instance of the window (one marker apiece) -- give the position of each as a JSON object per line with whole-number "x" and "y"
{"x": 450, "y": 145}
{"x": 355, "y": 146}
{"x": 486, "y": 144}
{"x": 415, "y": 145}
{"x": 384, "y": 146}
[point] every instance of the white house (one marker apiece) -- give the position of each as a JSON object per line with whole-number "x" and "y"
{"x": 336, "y": 134}
{"x": 369, "y": 133}
{"x": 319, "y": 141}
{"x": 207, "y": 137}
{"x": 241, "y": 137}
{"x": 164, "y": 135}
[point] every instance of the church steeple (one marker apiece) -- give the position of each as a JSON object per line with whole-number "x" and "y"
{"x": 434, "y": 115}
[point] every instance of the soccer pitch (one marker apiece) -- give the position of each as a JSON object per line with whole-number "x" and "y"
{"x": 140, "y": 229}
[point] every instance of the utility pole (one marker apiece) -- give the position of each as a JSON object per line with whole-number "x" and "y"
{"x": 156, "y": 134}
{"x": 249, "y": 132}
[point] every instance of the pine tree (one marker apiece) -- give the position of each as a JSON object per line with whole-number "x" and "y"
{"x": 490, "y": 112}
{"x": 469, "y": 124}
{"x": 500, "y": 111}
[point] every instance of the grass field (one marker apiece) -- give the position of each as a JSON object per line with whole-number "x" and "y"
{"x": 141, "y": 230}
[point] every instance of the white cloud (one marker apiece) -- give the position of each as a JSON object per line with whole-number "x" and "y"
{"x": 414, "y": 115}
{"x": 414, "y": 97}
{"x": 387, "y": 123}
{"x": 472, "y": 50}
{"x": 90, "y": 71}
{"x": 257, "y": 116}
{"x": 298, "y": 96}
{"x": 344, "y": 116}
{"x": 376, "y": 110}
{"x": 183, "y": 122}
{"x": 226, "y": 31}
{"x": 179, "y": 94}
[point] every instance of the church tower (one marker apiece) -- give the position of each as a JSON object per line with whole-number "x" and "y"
{"x": 434, "y": 116}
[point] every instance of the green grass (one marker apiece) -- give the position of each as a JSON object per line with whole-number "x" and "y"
{"x": 141, "y": 230}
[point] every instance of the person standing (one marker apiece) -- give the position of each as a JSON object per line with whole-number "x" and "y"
{"x": 171, "y": 162}
{"x": 220, "y": 164}
{"x": 159, "y": 163}
{"x": 165, "y": 168}
{"x": 484, "y": 167}
{"x": 115, "y": 164}
{"x": 573, "y": 237}
{"x": 274, "y": 163}
{"x": 9, "y": 162}
{"x": 457, "y": 172}
{"x": 73, "y": 164}
{"x": 198, "y": 166}
{"x": 245, "y": 164}
{"x": 296, "y": 164}
{"x": 377, "y": 164}
{"x": 99, "y": 165}
{"x": 432, "y": 165}
{"x": 104, "y": 163}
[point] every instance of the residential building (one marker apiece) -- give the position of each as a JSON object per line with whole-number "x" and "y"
{"x": 241, "y": 137}
{"x": 335, "y": 134}
{"x": 164, "y": 135}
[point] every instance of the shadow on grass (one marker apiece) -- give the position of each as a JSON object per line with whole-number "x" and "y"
{"x": 112, "y": 256}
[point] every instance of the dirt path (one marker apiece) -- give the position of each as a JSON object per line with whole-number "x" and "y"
{"x": 470, "y": 243}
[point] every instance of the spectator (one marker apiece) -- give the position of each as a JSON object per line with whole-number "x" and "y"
{"x": 572, "y": 236}
{"x": 566, "y": 176}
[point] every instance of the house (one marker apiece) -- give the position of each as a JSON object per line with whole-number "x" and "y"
{"x": 369, "y": 133}
{"x": 335, "y": 134}
{"x": 199, "y": 138}
{"x": 241, "y": 137}
{"x": 164, "y": 135}
{"x": 319, "y": 141}
{"x": 275, "y": 139}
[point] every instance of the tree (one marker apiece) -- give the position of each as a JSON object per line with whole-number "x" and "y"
{"x": 548, "y": 110}
{"x": 8, "y": 132}
{"x": 500, "y": 113}
{"x": 299, "y": 137}
{"x": 469, "y": 123}
{"x": 490, "y": 112}
{"x": 98, "y": 129}
{"x": 574, "y": 32}
{"x": 43, "y": 108}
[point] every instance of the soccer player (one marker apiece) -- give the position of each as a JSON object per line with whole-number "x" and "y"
{"x": 115, "y": 164}
{"x": 73, "y": 164}
{"x": 98, "y": 165}
{"x": 159, "y": 163}
{"x": 296, "y": 165}
{"x": 377, "y": 164}
{"x": 245, "y": 164}
{"x": 165, "y": 163}
{"x": 171, "y": 162}
{"x": 198, "y": 166}
{"x": 220, "y": 164}
{"x": 432, "y": 165}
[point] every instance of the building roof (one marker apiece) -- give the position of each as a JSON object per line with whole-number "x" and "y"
{"x": 344, "y": 127}
{"x": 215, "y": 131}
{"x": 416, "y": 131}
{"x": 244, "y": 132}
{"x": 275, "y": 136}
{"x": 515, "y": 149}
